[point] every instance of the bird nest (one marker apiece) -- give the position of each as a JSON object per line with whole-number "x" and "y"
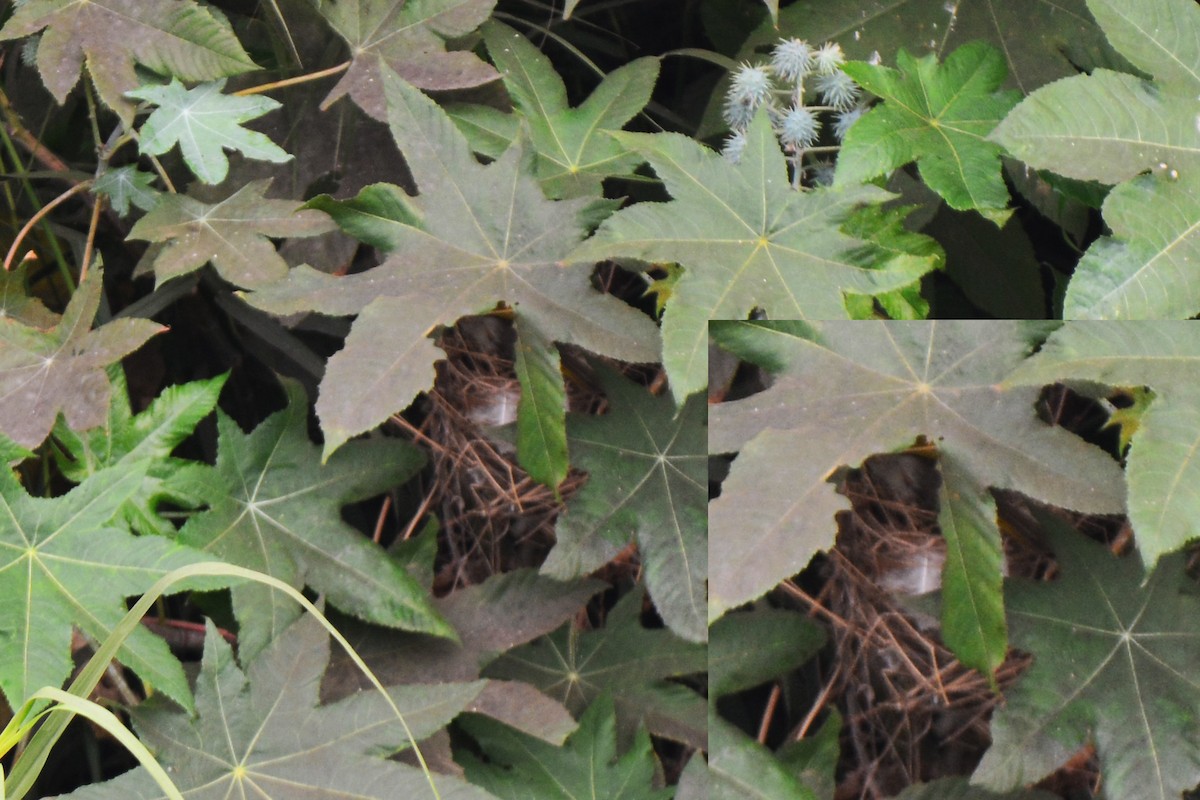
{"x": 494, "y": 517}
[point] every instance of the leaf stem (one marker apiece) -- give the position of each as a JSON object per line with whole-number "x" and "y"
{"x": 46, "y": 209}
{"x": 311, "y": 76}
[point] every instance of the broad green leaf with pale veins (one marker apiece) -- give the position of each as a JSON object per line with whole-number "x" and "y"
{"x": 205, "y": 123}
{"x": 61, "y": 369}
{"x": 125, "y": 186}
{"x": 746, "y": 240}
{"x": 1113, "y": 127}
{"x": 574, "y": 151}
{"x": 126, "y": 438}
{"x": 181, "y": 38}
{"x": 624, "y": 659}
{"x": 68, "y": 562}
{"x": 1114, "y": 663}
{"x": 587, "y": 767}
{"x": 647, "y": 482}
{"x": 259, "y": 732}
{"x": 937, "y": 115}
{"x": 232, "y": 234}
{"x": 280, "y": 513}
{"x": 405, "y": 38}
{"x": 1162, "y": 465}
{"x": 486, "y": 234}
{"x": 870, "y": 387}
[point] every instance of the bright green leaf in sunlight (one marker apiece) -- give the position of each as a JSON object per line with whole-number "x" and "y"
{"x": 70, "y": 561}
{"x": 1142, "y": 134}
{"x": 574, "y": 151}
{"x": 279, "y": 512}
{"x": 847, "y": 390}
{"x": 205, "y": 122}
{"x": 233, "y": 234}
{"x": 1162, "y": 465}
{"x": 62, "y": 368}
{"x": 127, "y": 438}
{"x": 746, "y": 240}
{"x": 624, "y": 659}
{"x": 647, "y": 482}
{"x": 1114, "y": 664}
{"x": 587, "y": 767}
{"x": 937, "y": 115}
{"x": 475, "y": 235}
{"x": 169, "y": 37}
{"x": 405, "y": 38}
{"x": 258, "y": 731}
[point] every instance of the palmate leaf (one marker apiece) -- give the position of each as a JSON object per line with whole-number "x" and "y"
{"x": 405, "y": 38}
{"x": 624, "y": 659}
{"x": 1114, "y": 657}
{"x": 506, "y": 610}
{"x": 205, "y": 122}
{"x": 68, "y": 562}
{"x": 1162, "y": 466}
{"x": 587, "y": 767}
{"x": 486, "y": 234}
{"x": 61, "y": 369}
{"x": 258, "y": 731}
{"x": 232, "y": 234}
{"x": 746, "y": 240}
{"x": 938, "y": 116}
{"x": 125, "y": 186}
{"x": 859, "y": 388}
{"x": 180, "y": 38}
{"x": 574, "y": 151}
{"x": 1112, "y": 127}
{"x": 151, "y": 436}
{"x": 647, "y": 482}
{"x": 279, "y": 512}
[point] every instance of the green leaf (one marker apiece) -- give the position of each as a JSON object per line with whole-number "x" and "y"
{"x": 17, "y": 305}
{"x": 873, "y": 387}
{"x": 1162, "y": 466}
{"x": 486, "y": 234}
{"x": 150, "y": 436}
{"x": 232, "y": 234}
{"x": 746, "y": 240}
{"x": 1114, "y": 655}
{"x": 280, "y": 513}
{"x": 973, "y": 609}
{"x": 588, "y": 766}
{"x": 125, "y": 186}
{"x": 69, "y": 562}
{"x": 405, "y": 38}
{"x": 541, "y": 411}
{"x": 205, "y": 123}
{"x": 379, "y": 215}
{"x": 258, "y": 731}
{"x": 624, "y": 659}
{"x": 1146, "y": 268}
{"x": 179, "y": 38}
{"x": 937, "y": 116}
{"x": 750, "y": 648}
{"x": 647, "y": 482}
{"x": 574, "y": 151}
{"x": 44, "y": 372}
{"x": 506, "y": 610}
{"x": 742, "y": 769}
